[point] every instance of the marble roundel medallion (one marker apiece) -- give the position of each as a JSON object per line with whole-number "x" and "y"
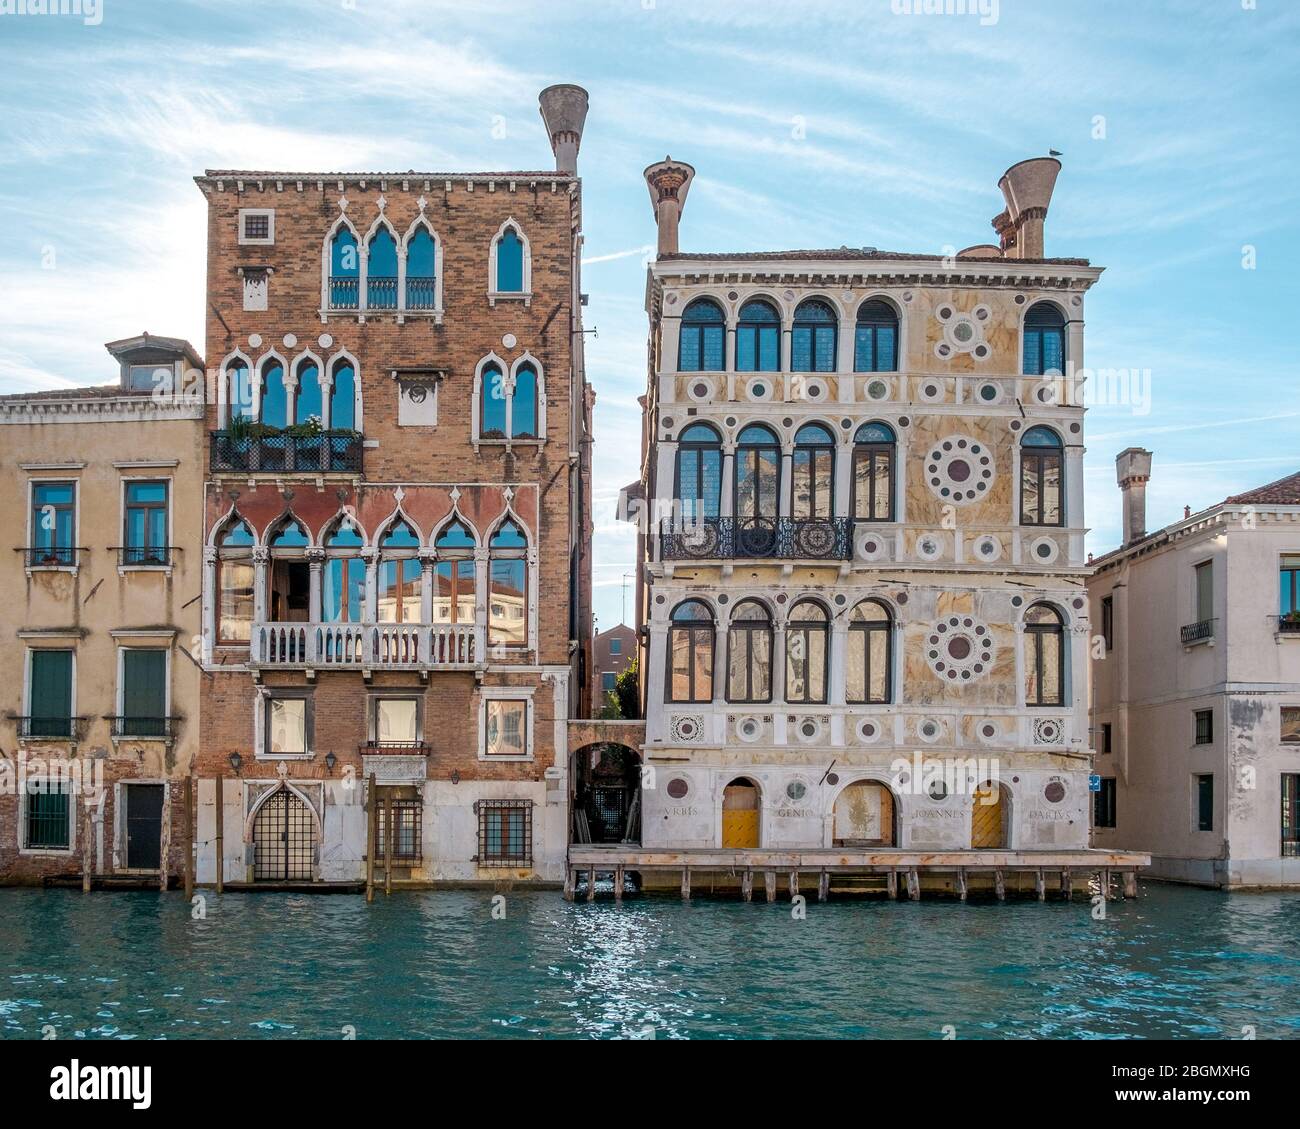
{"x": 959, "y": 649}
{"x": 959, "y": 469}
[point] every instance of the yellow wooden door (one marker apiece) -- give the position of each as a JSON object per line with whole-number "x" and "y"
{"x": 740, "y": 829}
{"x": 986, "y": 818}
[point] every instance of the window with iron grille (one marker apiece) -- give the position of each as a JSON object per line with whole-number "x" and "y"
{"x": 505, "y": 832}
{"x": 407, "y": 818}
{"x": 1103, "y": 803}
{"x": 1205, "y": 727}
{"x": 48, "y": 825}
{"x": 256, "y": 225}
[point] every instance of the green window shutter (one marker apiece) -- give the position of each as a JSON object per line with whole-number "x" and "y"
{"x": 51, "y": 692}
{"x": 144, "y": 692}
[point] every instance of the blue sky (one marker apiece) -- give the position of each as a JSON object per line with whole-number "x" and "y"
{"x": 816, "y": 124}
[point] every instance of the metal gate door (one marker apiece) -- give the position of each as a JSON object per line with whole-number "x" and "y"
{"x": 144, "y": 804}
{"x": 284, "y": 835}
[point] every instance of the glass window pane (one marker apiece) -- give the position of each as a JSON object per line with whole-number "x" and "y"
{"x": 523, "y": 410}
{"x": 493, "y": 395}
{"x": 287, "y": 725}
{"x": 395, "y": 721}
{"x": 714, "y": 347}
{"x": 236, "y": 607}
{"x": 507, "y": 732}
{"x": 275, "y": 399}
{"x": 507, "y": 603}
{"x": 309, "y": 404}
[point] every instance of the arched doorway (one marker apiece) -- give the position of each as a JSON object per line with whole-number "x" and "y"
{"x": 865, "y": 816}
{"x": 990, "y": 818}
{"x": 284, "y": 839}
{"x": 741, "y": 810}
{"x": 606, "y": 794}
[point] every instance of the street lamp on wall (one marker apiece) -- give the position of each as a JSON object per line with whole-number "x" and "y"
{"x": 235, "y": 761}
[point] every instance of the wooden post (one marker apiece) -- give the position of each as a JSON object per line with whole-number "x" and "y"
{"x": 686, "y": 883}
{"x": 961, "y": 883}
{"x": 794, "y": 884}
{"x": 388, "y": 843}
{"x": 372, "y": 837}
{"x": 1040, "y": 885}
{"x": 824, "y": 886}
{"x": 618, "y": 884}
{"x": 1130, "y": 884}
{"x": 1067, "y": 885}
{"x": 891, "y": 884}
{"x": 769, "y": 884}
{"x": 87, "y": 824}
{"x": 570, "y": 883}
{"x": 1000, "y": 884}
{"x": 747, "y": 885}
{"x": 221, "y": 835}
{"x": 188, "y": 845}
{"x": 591, "y": 884}
{"x": 913, "y": 884}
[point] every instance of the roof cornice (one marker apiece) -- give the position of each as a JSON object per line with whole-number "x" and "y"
{"x": 915, "y": 272}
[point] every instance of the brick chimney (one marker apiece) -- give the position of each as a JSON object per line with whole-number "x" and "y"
{"x": 564, "y": 110}
{"x": 1027, "y": 189}
{"x": 669, "y": 181}
{"x": 1132, "y": 472}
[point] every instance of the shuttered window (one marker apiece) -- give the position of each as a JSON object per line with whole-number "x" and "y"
{"x": 144, "y": 693}
{"x": 50, "y": 695}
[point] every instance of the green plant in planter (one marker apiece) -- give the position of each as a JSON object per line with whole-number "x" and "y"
{"x": 1292, "y": 619}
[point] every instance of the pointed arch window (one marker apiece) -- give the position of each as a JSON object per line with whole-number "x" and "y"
{"x": 749, "y": 653}
{"x": 814, "y": 339}
{"x": 510, "y": 405}
{"x": 698, "y": 488}
{"x": 343, "y": 397}
{"x": 690, "y": 653}
{"x": 510, "y": 262}
{"x": 345, "y": 270}
{"x": 875, "y": 342}
{"x": 400, "y": 575}
{"x": 522, "y": 408}
{"x": 508, "y": 586}
{"x": 758, "y": 473}
{"x": 453, "y": 576}
{"x": 869, "y": 661}
{"x": 758, "y": 337}
{"x": 343, "y": 577}
{"x": 1044, "y": 340}
{"x": 1041, "y": 469}
{"x": 289, "y": 577}
{"x": 235, "y": 582}
{"x": 275, "y": 394}
{"x": 1044, "y": 656}
{"x": 239, "y": 391}
{"x": 702, "y": 347}
{"x": 421, "y": 271}
{"x": 493, "y": 397}
{"x": 806, "y": 652}
{"x": 873, "y": 472}
{"x": 813, "y": 471}
{"x": 381, "y": 270}
{"x": 308, "y": 403}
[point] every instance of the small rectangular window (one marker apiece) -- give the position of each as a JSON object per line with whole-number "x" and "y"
{"x": 1205, "y": 802}
{"x": 397, "y": 721}
{"x": 1204, "y": 591}
{"x": 1290, "y": 725}
{"x": 506, "y": 728}
{"x": 144, "y": 693}
{"x": 1289, "y": 591}
{"x": 48, "y": 826}
{"x": 1205, "y": 727}
{"x": 144, "y": 539}
{"x": 53, "y": 524}
{"x": 257, "y": 226}
{"x": 146, "y": 378}
{"x": 408, "y": 818}
{"x": 49, "y": 694}
{"x": 505, "y": 832}
{"x": 1108, "y": 621}
{"x": 1291, "y": 815}
{"x": 1104, "y": 804}
{"x": 1106, "y": 736}
{"x": 286, "y": 726}
{"x": 608, "y": 681}
{"x": 616, "y": 646}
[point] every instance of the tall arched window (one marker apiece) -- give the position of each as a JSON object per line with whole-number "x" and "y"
{"x": 492, "y": 397}
{"x": 1044, "y": 340}
{"x": 401, "y": 578}
{"x": 749, "y": 653}
{"x": 508, "y": 584}
{"x": 289, "y": 578}
{"x": 343, "y": 397}
{"x": 690, "y": 653}
{"x": 239, "y": 391}
{"x": 453, "y": 576}
{"x": 345, "y": 270}
{"x": 869, "y": 662}
{"x": 816, "y": 333}
{"x": 381, "y": 270}
{"x": 698, "y": 488}
{"x": 523, "y": 403}
{"x": 307, "y": 403}
{"x": 510, "y": 262}
{"x": 235, "y": 581}
{"x": 875, "y": 343}
{"x": 1040, "y": 478}
{"x": 813, "y": 471}
{"x": 343, "y": 578}
{"x": 1044, "y": 656}
{"x": 758, "y": 337}
{"x": 806, "y": 635}
{"x": 421, "y": 266}
{"x": 275, "y": 396}
{"x": 702, "y": 347}
{"x": 758, "y": 473}
{"x": 873, "y": 472}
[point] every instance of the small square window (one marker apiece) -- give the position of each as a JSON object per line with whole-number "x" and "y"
{"x": 616, "y": 646}
{"x": 257, "y": 226}
{"x": 506, "y": 728}
{"x": 286, "y": 726}
{"x": 1205, "y": 727}
{"x": 607, "y": 681}
{"x": 397, "y": 721}
{"x": 1291, "y": 725}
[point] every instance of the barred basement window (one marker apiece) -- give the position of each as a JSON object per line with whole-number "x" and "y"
{"x": 407, "y": 817}
{"x": 505, "y": 832}
{"x": 48, "y": 826}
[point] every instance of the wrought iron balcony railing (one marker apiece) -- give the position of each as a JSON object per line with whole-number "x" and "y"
{"x": 785, "y": 538}
{"x": 146, "y": 728}
{"x": 286, "y": 454}
{"x": 421, "y": 293}
{"x": 394, "y": 749}
{"x": 365, "y": 646}
{"x": 52, "y": 556}
{"x": 344, "y": 292}
{"x": 51, "y": 728}
{"x": 1288, "y": 626}
{"x": 144, "y": 556}
{"x": 1197, "y": 632}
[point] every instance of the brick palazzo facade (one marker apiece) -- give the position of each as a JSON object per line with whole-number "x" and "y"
{"x": 396, "y": 573}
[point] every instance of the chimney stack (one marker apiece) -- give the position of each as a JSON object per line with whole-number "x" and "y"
{"x": 1027, "y": 189}
{"x": 564, "y": 110}
{"x": 1132, "y": 472}
{"x": 669, "y": 181}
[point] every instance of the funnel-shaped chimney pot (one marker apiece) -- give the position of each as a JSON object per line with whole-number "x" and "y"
{"x": 564, "y": 110}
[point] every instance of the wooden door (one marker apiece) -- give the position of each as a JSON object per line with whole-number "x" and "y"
{"x": 987, "y": 821}
{"x": 740, "y": 816}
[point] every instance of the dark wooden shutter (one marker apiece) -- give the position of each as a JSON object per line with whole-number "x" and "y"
{"x": 51, "y": 687}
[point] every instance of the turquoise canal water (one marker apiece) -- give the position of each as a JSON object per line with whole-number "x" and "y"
{"x": 1173, "y": 963}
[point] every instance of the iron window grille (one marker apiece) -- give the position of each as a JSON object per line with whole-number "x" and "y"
{"x": 156, "y": 728}
{"x": 52, "y": 728}
{"x": 52, "y": 556}
{"x": 407, "y": 820}
{"x": 505, "y": 832}
{"x": 145, "y": 556}
{"x": 48, "y": 825}
{"x": 304, "y": 454}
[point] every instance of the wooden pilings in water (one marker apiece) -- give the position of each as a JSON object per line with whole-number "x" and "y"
{"x": 372, "y": 838}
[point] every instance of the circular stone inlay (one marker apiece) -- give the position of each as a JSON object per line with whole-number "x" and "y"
{"x": 959, "y": 649}
{"x": 959, "y": 470}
